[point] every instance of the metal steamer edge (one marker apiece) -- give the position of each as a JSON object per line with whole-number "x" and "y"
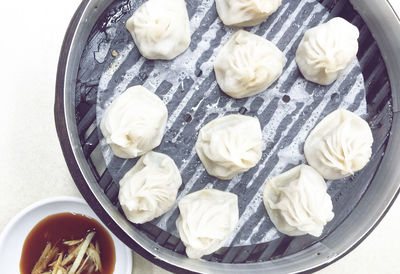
{"x": 381, "y": 20}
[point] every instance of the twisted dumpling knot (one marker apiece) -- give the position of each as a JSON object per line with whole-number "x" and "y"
{"x": 134, "y": 123}
{"x": 297, "y": 202}
{"x": 207, "y": 218}
{"x": 154, "y": 24}
{"x": 339, "y": 145}
{"x": 246, "y": 13}
{"x": 325, "y": 51}
{"x": 223, "y": 148}
{"x": 247, "y": 65}
{"x": 160, "y": 28}
{"x": 343, "y": 151}
{"x": 149, "y": 189}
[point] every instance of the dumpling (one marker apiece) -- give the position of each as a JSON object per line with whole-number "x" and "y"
{"x": 149, "y": 189}
{"x": 327, "y": 50}
{"x": 246, "y": 13}
{"x": 207, "y": 218}
{"x": 134, "y": 123}
{"x": 297, "y": 202}
{"x": 230, "y": 145}
{"x": 247, "y": 65}
{"x": 339, "y": 145}
{"x": 160, "y": 28}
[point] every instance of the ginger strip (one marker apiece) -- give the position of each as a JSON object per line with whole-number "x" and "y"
{"x": 81, "y": 253}
{"x": 47, "y": 255}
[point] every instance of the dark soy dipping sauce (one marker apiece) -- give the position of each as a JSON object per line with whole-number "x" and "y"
{"x": 61, "y": 227}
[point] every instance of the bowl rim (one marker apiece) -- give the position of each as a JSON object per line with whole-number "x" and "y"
{"x": 8, "y": 229}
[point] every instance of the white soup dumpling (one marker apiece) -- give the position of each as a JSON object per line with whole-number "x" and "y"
{"x": 160, "y": 28}
{"x": 327, "y": 50}
{"x": 246, "y": 13}
{"x": 297, "y": 202}
{"x": 207, "y": 218}
{"x": 247, "y": 65}
{"x": 230, "y": 145}
{"x": 149, "y": 189}
{"x": 339, "y": 145}
{"x": 134, "y": 123}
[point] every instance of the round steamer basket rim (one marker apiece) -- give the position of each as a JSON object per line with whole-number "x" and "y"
{"x": 382, "y": 22}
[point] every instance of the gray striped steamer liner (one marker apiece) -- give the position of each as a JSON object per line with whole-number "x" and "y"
{"x": 287, "y": 110}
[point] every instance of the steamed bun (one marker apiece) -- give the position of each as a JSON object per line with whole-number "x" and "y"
{"x": 339, "y": 145}
{"x": 149, "y": 189}
{"x": 160, "y": 28}
{"x": 327, "y": 50}
{"x": 134, "y": 123}
{"x": 297, "y": 202}
{"x": 230, "y": 145}
{"x": 246, "y": 13}
{"x": 207, "y": 218}
{"x": 247, "y": 65}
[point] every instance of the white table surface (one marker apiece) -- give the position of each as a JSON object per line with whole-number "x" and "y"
{"x": 31, "y": 163}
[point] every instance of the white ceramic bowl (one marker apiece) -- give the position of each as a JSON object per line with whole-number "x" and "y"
{"x": 13, "y": 236}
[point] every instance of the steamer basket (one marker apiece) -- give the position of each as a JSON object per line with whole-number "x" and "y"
{"x": 358, "y": 207}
